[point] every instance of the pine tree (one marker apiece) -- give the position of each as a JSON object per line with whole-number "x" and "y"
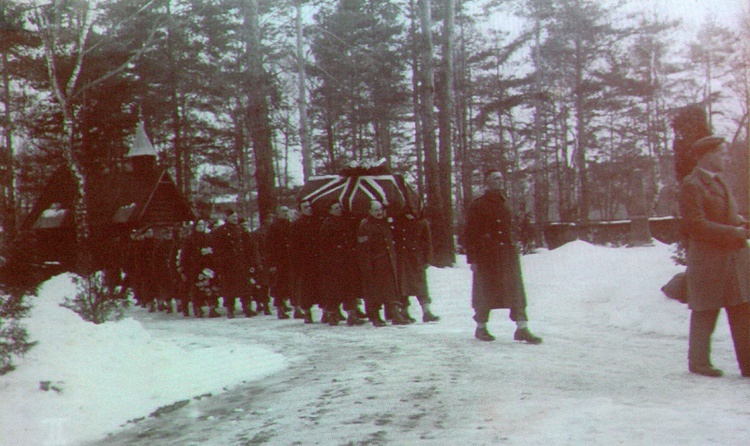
{"x": 14, "y": 339}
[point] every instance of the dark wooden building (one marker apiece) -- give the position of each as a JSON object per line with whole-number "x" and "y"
{"x": 136, "y": 195}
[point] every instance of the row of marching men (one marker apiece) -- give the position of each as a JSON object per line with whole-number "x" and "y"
{"x": 292, "y": 263}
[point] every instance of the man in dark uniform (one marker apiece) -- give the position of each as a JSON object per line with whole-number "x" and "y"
{"x": 411, "y": 234}
{"x": 280, "y": 261}
{"x": 259, "y": 237}
{"x": 164, "y": 268}
{"x": 491, "y": 251}
{"x": 338, "y": 270}
{"x": 197, "y": 258}
{"x": 131, "y": 266}
{"x": 146, "y": 259}
{"x": 718, "y": 258}
{"x": 377, "y": 260}
{"x": 305, "y": 258}
{"x": 231, "y": 265}
{"x": 183, "y": 286}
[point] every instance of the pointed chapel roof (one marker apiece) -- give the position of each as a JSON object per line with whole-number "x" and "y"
{"x": 141, "y": 145}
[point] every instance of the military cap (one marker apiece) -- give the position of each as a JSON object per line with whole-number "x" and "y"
{"x": 705, "y": 145}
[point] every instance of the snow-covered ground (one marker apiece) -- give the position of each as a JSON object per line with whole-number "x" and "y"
{"x": 611, "y": 370}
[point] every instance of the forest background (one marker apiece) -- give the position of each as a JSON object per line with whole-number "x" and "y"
{"x": 568, "y": 98}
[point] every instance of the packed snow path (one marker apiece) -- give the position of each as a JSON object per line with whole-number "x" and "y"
{"x": 611, "y": 370}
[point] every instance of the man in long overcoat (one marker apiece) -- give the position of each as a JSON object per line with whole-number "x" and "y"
{"x": 262, "y": 274}
{"x": 197, "y": 259}
{"x": 413, "y": 239}
{"x": 280, "y": 261}
{"x": 231, "y": 265}
{"x": 377, "y": 260}
{"x": 491, "y": 251}
{"x": 305, "y": 258}
{"x": 718, "y": 258}
{"x": 338, "y": 272}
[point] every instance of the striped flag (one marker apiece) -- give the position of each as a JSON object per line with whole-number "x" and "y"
{"x": 356, "y": 192}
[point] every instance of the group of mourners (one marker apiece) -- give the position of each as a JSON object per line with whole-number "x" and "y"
{"x": 355, "y": 269}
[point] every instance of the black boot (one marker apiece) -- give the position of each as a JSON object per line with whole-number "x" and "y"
{"x": 334, "y": 317}
{"x": 354, "y": 320}
{"x": 483, "y": 335}
{"x": 396, "y": 312}
{"x": 523, "y": 334}
{"x": 706, "y": 370}
{"x": 198, "y": 312}
{"x": 429, "y": 317}
{"x": 247, "y": 310}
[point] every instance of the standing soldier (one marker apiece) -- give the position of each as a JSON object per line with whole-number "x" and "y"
{"x": 131, "y": 265}
{"x": 490, "y": 250}
{"x": 198, "y": 260}
{"x": 183, "y": 287}
{"x": 231, "y": 265}
{"x": 377, "y": 260}
{"x": 411, "y": 233}
{"x": 305, "y": 257}
{"x": 259, "y": 238}
{"x": 147, "y": 269}
{"x": 279, "y": 260}
{"x": 338, "y": 268}
{"x": 252, "y": 259}
{"x": 165, "y": 270}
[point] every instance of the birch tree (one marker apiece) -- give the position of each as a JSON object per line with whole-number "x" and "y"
{"x": 69, "y": 32}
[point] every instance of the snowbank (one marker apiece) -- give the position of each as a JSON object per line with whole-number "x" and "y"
{"x": 101, "y": 376}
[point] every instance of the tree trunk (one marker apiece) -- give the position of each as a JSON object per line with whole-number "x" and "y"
{"x": 240, "y": 145}
{"x": 416, "y": 76}
{"x": 7, "y": 180}
{"x": 581, "y": 140}
{"x": 63, "y": 93}
{"x": 176, "y": 121}
{"x": 541, "y": 179}
{"x": 258, "y": 112}
{"x": 445, "y": 253}
{"x": 304, "y": 125}
{"x": 463, "y": 128}
{"x": 434, "y": 200}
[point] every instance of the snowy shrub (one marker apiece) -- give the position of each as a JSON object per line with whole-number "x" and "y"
{"x": 96, "y": 301}
{"x": 14, "y": 340}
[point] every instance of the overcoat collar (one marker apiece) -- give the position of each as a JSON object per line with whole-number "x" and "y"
{"x": 714, "y": 183}
{"x": 495, "y": 195}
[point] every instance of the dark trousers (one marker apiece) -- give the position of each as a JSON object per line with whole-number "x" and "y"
{"x": 702, "y": 325}
{"x": 482, "y": 315}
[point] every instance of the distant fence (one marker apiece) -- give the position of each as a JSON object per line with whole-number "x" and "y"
{"x": 614, "y": 233}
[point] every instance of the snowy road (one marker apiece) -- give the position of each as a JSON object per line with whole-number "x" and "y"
{"x": 609, "y": 372}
